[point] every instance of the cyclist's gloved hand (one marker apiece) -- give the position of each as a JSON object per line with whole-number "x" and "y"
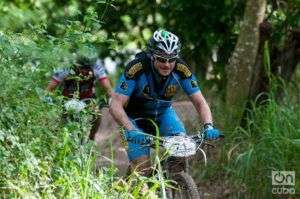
{"x": 136, "y": 136}
{"x": 211, "y": 133}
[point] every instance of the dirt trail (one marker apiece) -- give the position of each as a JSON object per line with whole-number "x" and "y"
{"x": 109, "y": 140}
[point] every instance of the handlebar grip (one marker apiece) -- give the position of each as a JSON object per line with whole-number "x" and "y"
{"x": 221, "y": 136}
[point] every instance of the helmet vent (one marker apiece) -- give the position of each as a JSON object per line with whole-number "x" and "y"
{"x": 164, "y": 42}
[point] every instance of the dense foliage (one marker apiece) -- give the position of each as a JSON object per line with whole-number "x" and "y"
{"x": 40, "y": 156}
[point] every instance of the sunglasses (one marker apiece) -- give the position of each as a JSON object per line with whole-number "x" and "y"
{"x": 165, "y": 60}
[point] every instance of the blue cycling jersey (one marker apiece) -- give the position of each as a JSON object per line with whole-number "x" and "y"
{"x": 151, "y": 94}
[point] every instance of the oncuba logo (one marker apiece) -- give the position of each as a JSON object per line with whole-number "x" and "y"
{"x": 283, "y": 178}
{"x": 283, "y": 182}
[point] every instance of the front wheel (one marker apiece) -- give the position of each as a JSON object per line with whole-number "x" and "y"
{"x": 185, "y": 187}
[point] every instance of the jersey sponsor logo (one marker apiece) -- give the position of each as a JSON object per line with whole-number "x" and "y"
{"x": 194, "y": 83}
{"x": 184, "y": 69}
{"x": 124, "y": 86}
{"x": 146, "y": 91}
{"x": 133, "y": 70}
{"x": 170, "y": 91}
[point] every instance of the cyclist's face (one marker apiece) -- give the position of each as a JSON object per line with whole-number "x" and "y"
{"x": 164, "y": 65}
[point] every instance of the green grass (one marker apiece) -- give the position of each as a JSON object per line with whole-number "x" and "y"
{"x": 40, "y": 156}
{"x": 270, "y": 141}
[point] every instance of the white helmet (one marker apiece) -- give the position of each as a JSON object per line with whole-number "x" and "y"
{"x": 164, "y": 42}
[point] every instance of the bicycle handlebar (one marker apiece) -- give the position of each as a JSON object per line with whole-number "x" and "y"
{"x": 196, "y": 137}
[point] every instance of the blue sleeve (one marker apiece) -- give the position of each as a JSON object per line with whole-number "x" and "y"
{"x": 190, "y": 85}
{"x": 125, "y": 86}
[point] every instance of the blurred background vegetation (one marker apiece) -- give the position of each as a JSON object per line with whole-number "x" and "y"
{"x": 254, "y": 92}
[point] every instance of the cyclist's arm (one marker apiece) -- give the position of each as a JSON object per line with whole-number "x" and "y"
{"x": 52, "y": 85}
{"x": 116, "y": 109}
{"x": 106, "y": 85}
{"x": 57, "y": 78}
{"x": 120, "y": 98}
{"x": 202, "y": 107}
{"x": 190, "y": 86}
{"x": 100, "y": 73}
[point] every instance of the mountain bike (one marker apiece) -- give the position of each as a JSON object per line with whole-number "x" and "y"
{"x": 81, "y": 112}
{"x": 175, "y": 165}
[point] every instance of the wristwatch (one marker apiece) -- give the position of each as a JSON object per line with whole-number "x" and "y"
{"x": 208, "y": 126}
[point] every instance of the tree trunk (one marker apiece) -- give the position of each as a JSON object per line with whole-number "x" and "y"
{"x": 260, "y": 81}
{"x": 241, "y": 64}
{"x": 288, "y": 58}
{"x": 283, "y": 61}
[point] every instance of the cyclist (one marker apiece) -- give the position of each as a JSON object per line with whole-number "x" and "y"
{"x": 79, "y": 82}
{"x": 146, "y": 89}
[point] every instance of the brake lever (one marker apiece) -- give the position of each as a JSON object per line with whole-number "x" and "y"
{"x": 210, "y": 145}
{"x": 152, "y": 142}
